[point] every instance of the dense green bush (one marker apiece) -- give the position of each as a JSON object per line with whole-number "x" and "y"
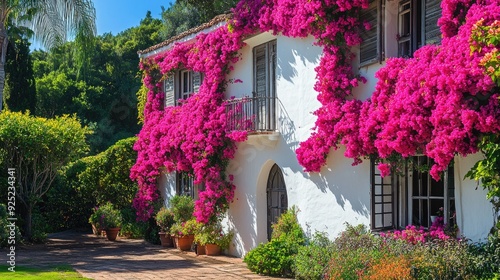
{"x": 312, "y": 259}
{"x": 359, "y": 254}
{"x": 132, "y": 228}
{"x": 276, "y": 257}
{"x": 5, "y": 231}
{"x": 92, "y": 181}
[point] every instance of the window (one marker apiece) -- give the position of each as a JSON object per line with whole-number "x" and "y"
{"x": 370, "y": 50}
{"x": 417, "y": 20}
{"x": 412, "y": 197}
{"x": 185, "y": 185}
{"x": 264, "y": 85}
{"x": 181, "y": 85}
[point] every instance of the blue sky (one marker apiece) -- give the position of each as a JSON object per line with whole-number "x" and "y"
{"x": 118, "y": 15}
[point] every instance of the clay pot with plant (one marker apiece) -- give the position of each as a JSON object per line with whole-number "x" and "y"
{"x": 165, "y": 219}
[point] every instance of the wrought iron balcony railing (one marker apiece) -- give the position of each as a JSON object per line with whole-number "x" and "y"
{"x": 252, "y": 114}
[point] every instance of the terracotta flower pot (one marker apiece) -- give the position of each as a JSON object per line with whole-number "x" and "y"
{"x": 184, "y": 242}
{"x": 212, "y": 249}
{"x": 112, "y": 233}
{"x": 200, "y": 249}
{"x": 166, "y": 239}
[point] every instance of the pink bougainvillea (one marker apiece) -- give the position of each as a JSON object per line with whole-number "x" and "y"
{"x": 191, "y": 137}
{"x": 437, "y": 103}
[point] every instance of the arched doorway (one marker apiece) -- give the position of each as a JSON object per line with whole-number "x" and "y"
{"x": 277, "y": 200}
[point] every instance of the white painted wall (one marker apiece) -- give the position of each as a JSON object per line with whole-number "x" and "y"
{"x": 475, "y": 215}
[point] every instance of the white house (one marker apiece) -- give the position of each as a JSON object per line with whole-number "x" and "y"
{"x": 277, "y": 75}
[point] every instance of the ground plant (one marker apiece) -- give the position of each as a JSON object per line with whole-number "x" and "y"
{"x": 276, "y": 257}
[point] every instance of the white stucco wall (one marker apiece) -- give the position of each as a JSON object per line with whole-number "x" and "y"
{"x": 475, "y": 215}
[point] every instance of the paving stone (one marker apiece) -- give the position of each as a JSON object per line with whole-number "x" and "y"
{"x": 129, "y": 259}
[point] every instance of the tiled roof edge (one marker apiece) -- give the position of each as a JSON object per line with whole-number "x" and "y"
{"x": 216, "y": 20}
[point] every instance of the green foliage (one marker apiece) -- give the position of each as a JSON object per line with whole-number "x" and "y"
{"x": 188, "y": 227}
{"x": 141, "y": 94}
{"x": 38, "y": 148}
{"x": 179, "y": 17}
{"x": 287, "y": 227}
{"x": 19, "y": 91}
{"x": 106, "y": 98}
{"x": 358, "y": 254}
{"x": 40, "y": 228}
{"x": 312, "y": 259}
{"x": 108, "y": 216}
{"x": 208, "y": 9}
{"x": 164, "y": 219}
{"x": 132, "y": 228}
{"x": 214, "y": 234}
{"x": 182, "y": 207}
{"x": 5, "y": 231}
{"x": 276, "y": 257}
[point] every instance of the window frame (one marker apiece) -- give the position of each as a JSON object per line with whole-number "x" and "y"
{"x": 181, "y": 85}
{"x": 265, "y": 102}
{"x": 419, "y": 19}
{"x": 375, "y": 31}
{"x": 397, "y": 211}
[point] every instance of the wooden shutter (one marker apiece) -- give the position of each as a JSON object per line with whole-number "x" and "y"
{"x": 196, "y": 76}
{"x": 260, "y": 70}
{"x": 432, "y": 14}
{"x": 369, "y": 48}
{"x": 169, "y": 91}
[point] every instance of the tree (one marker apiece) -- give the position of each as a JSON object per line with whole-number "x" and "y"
{"x": 37, "y": 148}
{"x": 51, "y": 22}
{"x": 208, "y": 9}
{"x": 178, "y": 18}
{"x": 20, "y": 91}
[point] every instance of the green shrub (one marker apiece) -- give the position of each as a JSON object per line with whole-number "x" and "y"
{"x": 311, "y": 260}
{"x": 5, "y": 231}
{"x": 182, "y": 207}
{"x": 164, "y": 219}
{"x": 110, "y": 217}
{"x": 39, "y": 227}
{"x": 273, "y": 258}
{"x": 276, "y": 257}
{"x": 130, "y": 226}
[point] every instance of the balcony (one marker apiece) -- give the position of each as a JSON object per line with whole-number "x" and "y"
{"x": 256, "y": 115}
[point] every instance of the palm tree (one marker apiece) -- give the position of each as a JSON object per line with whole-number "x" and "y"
{"x": 52, "y": 22}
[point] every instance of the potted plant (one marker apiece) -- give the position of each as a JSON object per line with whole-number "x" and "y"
{"x": 213, "y": 237}
{"x": 165, "y": 220}
{"x": 185, "y": 225}
{"x": 184, "y": 232}
{"x": 110, "y": 220}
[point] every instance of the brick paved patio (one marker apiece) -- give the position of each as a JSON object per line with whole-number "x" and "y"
{"x": 97, "y": 258}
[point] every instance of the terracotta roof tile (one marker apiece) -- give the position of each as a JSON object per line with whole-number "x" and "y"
{"x": 216, "y": 20}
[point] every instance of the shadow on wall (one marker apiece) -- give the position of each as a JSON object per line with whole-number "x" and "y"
{"x": 248, "y": 231}
{"x": 346, "y": 182}
{"x": 286, "y": 127}
{"x": 287, "y": 61}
